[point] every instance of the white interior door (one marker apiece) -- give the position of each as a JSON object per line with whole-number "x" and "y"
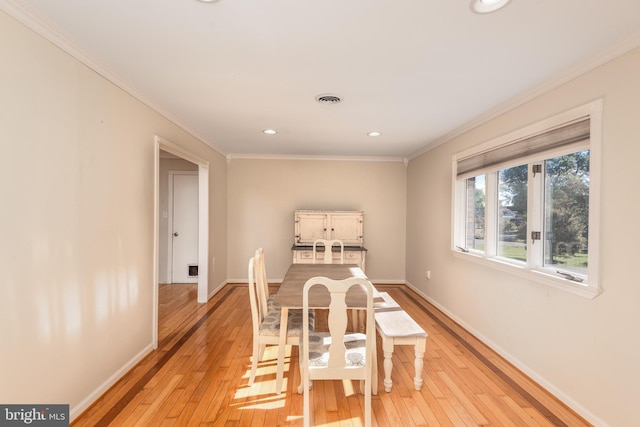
{"x": 184, "y": 228}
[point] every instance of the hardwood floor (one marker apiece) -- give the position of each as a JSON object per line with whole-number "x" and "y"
{"x": 198, "y": 376}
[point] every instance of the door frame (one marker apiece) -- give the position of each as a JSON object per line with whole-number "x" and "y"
{"x": 163, "y": 144}
{"x": 172, "y": 174}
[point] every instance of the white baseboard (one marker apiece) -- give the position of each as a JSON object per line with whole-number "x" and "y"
{"x": 102, "y": 389}
{"x": 217, "y": 289}
{"x": 543, "y": 382}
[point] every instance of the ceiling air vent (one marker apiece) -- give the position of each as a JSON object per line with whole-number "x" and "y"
{"x": 328, "y": 98}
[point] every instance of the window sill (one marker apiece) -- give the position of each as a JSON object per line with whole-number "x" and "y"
{"x": 583, "y": 290}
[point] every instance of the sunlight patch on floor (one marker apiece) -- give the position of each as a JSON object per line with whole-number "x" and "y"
{"x": 349, "y": 388}
{"x": 261, "y": 401}
{"x": 352, "y": 422}
{"x": 258, "y": 388}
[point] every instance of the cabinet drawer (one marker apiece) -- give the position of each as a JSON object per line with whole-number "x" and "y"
{"x": 304, "y": 255}
{"x": 352, "y": 257}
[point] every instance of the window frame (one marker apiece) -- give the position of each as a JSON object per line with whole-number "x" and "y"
{"x": 533, "y": 268}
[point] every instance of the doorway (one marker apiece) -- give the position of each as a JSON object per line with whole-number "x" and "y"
{"x": 182, "y": 244}
{"x": 163, "y": 145}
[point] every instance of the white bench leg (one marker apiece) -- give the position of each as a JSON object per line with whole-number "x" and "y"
{"x": 420, "y": 348}
{"x": 387, "y": 348}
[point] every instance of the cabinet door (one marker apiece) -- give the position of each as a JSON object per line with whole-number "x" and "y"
{"x": 309, "y": 227}
{"x": 346, "y": 227}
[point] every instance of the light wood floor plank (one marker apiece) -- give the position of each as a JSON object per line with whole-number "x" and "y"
{"x": 199, "y": 375}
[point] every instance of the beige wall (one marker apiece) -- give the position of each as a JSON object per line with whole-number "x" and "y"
{"x": 263, "y": 194}
{"x": 585, "y": 351}
{"x": 78, "y": 214}
{"x": 77, "y": 255}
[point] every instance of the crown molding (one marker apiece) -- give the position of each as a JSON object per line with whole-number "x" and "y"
{"x": 27, "y": 16}
{"x": 560, "y": 79}
{"x": 233, "y": 156}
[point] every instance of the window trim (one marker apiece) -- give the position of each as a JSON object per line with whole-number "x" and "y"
{"x": 529, "y": 271}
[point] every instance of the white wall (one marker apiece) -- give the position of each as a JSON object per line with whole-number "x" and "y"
{"x": 77, "y": 223}
{"x": 585, "y": 351}
{"x": 264, "y": 193}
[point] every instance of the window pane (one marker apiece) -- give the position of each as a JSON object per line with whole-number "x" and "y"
{"x": 512, "y": 213}
{"x": 475, "y": 213}
{"x": 567, "y": 212}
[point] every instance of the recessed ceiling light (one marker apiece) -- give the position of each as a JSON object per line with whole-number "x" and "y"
{"x": 487, "y": 6}
{"x": 269, "y": 131}
{"x": 374, "y": 134}
{"x": 209, "y": 1}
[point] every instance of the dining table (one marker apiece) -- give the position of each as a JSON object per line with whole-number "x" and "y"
{"x": 289, "y": 296}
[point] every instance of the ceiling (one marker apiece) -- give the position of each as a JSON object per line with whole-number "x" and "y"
{"x": 416, "y": 71}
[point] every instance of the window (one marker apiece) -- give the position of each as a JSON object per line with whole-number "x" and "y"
{"x": 526, "y": 202}
{"x": 512, "y": 212}
{"x": 566, "y": 214}
{"x": 475, "y": 213}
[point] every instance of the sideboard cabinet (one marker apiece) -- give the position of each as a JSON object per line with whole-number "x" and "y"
{"x": 342, "y": 225}
{"x": 347, "y": 226}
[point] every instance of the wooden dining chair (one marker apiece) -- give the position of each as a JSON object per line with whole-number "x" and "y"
{"x": 266, "y": 323}
{"x": 328, "y": 250}
{"x": 338, "y": 354}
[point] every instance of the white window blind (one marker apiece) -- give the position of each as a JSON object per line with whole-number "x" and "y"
{"x": 566, "y": 134}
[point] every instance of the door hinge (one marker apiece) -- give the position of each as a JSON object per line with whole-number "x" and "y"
{"x": 536, "y": 169}
{"x": 536, "y": 235}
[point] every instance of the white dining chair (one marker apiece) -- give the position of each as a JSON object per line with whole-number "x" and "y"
{"x": 338, "y": 354}
{"x": 266, "y": 324}
{"x": 265, "y": 300}
{"x": 328, "y": 250}
{"x": 328, "y": 259}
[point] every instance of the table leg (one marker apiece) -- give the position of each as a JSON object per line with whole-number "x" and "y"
{"x": 282, "y": 343}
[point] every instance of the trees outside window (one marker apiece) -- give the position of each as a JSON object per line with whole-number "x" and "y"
{"x": 512, "y": 212}
{"x": 567, "y": 212}
{"x": 475, "y": 213}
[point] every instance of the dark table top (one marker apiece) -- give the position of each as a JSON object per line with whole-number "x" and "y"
{"x": 290, "y": 292}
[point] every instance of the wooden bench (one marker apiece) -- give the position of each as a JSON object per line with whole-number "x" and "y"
{"x": 396, "y": 327}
